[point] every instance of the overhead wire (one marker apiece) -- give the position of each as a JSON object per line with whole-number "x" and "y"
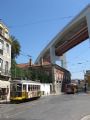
{"x": 39, "y": 22}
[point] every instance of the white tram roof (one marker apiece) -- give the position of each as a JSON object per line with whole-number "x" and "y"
{"x": 25, "y": 82}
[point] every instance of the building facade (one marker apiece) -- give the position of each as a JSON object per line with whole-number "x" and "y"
{"x": 49, "y": 73}
{"x": 5, "y": 61}
{"x": 87, "y": 79}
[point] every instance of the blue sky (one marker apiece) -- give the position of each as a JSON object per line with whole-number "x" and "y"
{"x": 35, "y": 22}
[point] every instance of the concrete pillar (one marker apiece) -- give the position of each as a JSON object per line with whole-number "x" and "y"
{"x": 63, "y": 61}
{"x": 53, "y": 79}
{"x": 52, "y": 55}
{"x": 41, "y": 61}
{"x": 30, "y": 62}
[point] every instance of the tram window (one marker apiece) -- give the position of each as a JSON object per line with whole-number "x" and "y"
{"x": 19, "y": 87}
{"x": 39, "y": 87}
{"x": 35, "y": 87}
{"x": 24, "y": 87}
{"x": 28, "y": 87}
{"x": 31, "y": 87}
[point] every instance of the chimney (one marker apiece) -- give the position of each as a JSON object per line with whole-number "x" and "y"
{"x": 41, "y": 61}
{"x": 30, "y": 62}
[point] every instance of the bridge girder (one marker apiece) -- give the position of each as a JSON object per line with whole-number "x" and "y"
{"x": 75, "y": 32}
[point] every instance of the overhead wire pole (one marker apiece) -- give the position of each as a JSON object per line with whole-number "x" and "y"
{"x": 30, "y": 60}
{"x": 30, "y": 63}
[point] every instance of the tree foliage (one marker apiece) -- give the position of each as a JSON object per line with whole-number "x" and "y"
{"x": 41, "y": 75}
{"x": 15, "y": 51}
{"x": 15, "y": 47}
{"x": 28, "y": 73}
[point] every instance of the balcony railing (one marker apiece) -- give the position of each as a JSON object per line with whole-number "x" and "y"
{"x": 5, "y": 72}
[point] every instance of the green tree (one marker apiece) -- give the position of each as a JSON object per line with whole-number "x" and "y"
{"x": 15, "y": 51}
{"x": 41, "y": 75}
{"x": 15, "y": 48}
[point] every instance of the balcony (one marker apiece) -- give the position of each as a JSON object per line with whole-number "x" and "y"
{"x": 6, "y": 35}
{"x": 0, "y": 31}
{"x": 5, "y": 72}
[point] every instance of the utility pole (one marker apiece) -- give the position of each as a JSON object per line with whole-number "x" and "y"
{"x": 30, "y": 64}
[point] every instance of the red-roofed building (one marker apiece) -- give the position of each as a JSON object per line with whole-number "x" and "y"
{"x": 50, "y": 73}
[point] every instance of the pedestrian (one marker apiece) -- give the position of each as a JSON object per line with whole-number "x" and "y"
{"x": 85, "y": 88}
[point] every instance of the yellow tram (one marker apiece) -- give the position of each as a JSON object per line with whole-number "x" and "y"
{"x": 24, "y": 90}
{"x": 71, "y": 88}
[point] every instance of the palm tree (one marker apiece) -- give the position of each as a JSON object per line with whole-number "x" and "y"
{"x": 15, "y": 51}
{"x": 15, "y": 48}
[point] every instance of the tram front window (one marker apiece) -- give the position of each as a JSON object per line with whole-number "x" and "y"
{"x": 19, "y": 87}
{"x": 19, "y": 90}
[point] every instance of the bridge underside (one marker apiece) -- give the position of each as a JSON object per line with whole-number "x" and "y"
{"x": 73, "y": 37}
{"x": 75, "y": 32}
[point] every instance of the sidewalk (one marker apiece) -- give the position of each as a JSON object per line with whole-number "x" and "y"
{"x": 4, "y": 101}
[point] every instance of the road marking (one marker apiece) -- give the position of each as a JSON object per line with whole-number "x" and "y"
{"x": 86, "y": 117}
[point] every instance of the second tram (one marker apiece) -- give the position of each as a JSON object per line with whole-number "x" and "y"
{"x": 71, "y": 88}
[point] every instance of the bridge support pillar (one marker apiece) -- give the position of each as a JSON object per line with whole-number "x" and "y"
{"x": 52, "y": 55}
{"x": 63, "y": 61}
{"x": 53, "y": 61}
{"x": 54, "y": 58}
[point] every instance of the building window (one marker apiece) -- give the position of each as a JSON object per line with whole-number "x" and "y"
{"x": 6, "y": 34}
{"x": 6, "y": 68}
{"x": 1, "y": 64}
{"x": 7, "y": 48}
{"x": 1, "y": 46}
{"x": 0, "y": 30}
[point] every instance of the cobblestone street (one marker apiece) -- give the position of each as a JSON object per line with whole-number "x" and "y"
{"x": 61, "y": 107}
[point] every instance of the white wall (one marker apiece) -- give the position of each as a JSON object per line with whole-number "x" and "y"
{"x": 6, "y": 56}
{"x": 45, "y": 88}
